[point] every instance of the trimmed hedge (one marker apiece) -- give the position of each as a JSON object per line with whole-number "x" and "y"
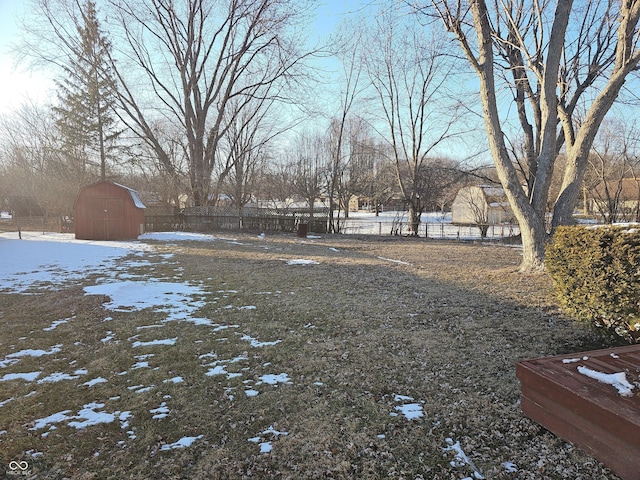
{"x": 596, "y": 274}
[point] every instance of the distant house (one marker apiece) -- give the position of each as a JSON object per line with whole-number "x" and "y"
{"x": 108, "y": 211}
{"x": 617, "y": 200}
{"x": 368, "y": 204}
{"x": 481, "y": 205}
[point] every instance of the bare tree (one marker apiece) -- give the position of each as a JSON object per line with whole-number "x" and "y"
{"x": 31, "y": 160}
{"x": 169, "y": 179}
{"x": 610, "y": 178}
{"x": 564, "y": 77}
{"x": 309, "y": 163}
{"x": 219, "y": 60}
{"x": 350, "y": 89}
{"x": 277, "y": 184}
{"x": 246, "y": 144}
{"x": 409, "y": 73}
{"x": 360, "y": 163}
{"x": 188, "y": 62}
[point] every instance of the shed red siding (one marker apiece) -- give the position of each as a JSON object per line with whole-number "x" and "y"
{"x": 108, "y": 211}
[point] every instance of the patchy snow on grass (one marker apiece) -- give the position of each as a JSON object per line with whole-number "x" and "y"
{"x": 272, "y": 379}
{"x": 617, "y": 380}
{"x": 182, "y": 443}
{"x": 59, "y": 376}
{"x": 151, "y": 343}
{"x": 110, "y": 336}
{"x": 266, "y": 446}
{"x": 174, "y": 380}
{"x": 302, "y": 261}
{"x": 27, "y": 377}
{"x": 255, "y": 343}
{"x": 161, "y": 412}
{"x": 217, "y": 370}
{"x": 86, "y": 417}
{"x": 95, "y": 381}
{"x": 45, "y": 260}
{"x": 15, "y": 357}
{"x": 400, "y": 262}
{"x": 461, "y": 459}
{"x": 409, "y": 410}
{"x": 49, "y": 260}
{"x": 177, "y": 300}
{"x": 56, "y": 324}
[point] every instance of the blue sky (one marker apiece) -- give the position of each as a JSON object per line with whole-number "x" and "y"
{"x": 18, "y": 85}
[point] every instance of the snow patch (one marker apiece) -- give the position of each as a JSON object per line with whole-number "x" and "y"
{"x": 59, "y": 376}
{"x": 174, "y": 380}
{"x": 161, "y": 412}
{"x": 617, "y": 380}
{"x": 56, "y": 324}
{"x": 182, "y": 443}
{"x": 47, "y": 261}
{"x": 27, "y": 377}
{"x": 302, "y": 261}
{"x": 266, "y": 447}
{"x": 409, "y": 410}
{"x": 87, "y": 416}
{"x": 461, "y": 459}
{"x": 13, "y": 358}
{"x": 177, "y": 300}
{"x": 400, "y": 262}
{"x": 255, "y": 343}
{"x": 166, "y": 341}
{"x": 275, "y": 379}
{"x": 95, "y": 381}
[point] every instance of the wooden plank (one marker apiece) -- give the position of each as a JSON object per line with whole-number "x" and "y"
{"x": 583, "y": 410}
{"x": 602, "y": 445}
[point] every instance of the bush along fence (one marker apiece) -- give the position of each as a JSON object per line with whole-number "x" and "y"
{"x": 208, "y": 219}
{"x": 596, "y": 274}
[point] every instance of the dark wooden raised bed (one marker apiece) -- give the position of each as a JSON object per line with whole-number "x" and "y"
{"x": 584, "y": 411}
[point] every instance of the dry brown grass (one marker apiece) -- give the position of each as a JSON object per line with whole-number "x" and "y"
{"x": 445, "y": 327}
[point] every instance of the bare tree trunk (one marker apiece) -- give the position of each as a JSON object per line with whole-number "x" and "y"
{"x": 532, "y": 228}
{"x": 564, "y": 67}
{"x": 414, "y": 219}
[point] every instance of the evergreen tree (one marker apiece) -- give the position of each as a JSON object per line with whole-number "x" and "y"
{"x": 85, "y": 115}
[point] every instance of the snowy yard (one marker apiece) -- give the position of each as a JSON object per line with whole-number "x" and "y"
{"x": 192, "y": 356}
{"x": 434, "y": 225}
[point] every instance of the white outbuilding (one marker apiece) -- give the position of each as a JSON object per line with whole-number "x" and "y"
{"x": 481, "y": 205}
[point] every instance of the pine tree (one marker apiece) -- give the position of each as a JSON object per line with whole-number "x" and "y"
{"x": 86, "y": 95}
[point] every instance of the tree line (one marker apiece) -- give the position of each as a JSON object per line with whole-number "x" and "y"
{"x": 206, "y": 98}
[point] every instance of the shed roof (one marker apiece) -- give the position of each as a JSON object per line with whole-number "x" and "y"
{"x": 137, "y": 201}
{"x": 134, "y": 195}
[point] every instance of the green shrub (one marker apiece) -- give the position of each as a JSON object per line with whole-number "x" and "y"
{"x": 596, "y": 274}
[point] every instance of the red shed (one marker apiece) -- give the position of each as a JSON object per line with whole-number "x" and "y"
{"x": 108, "y": 211}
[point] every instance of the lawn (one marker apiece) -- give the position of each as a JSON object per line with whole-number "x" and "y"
{"x": 201, "y": 357}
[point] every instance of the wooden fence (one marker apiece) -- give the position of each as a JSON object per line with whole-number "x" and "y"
{"x": 208, "y": 219}
{"x": 36, "y": 224}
